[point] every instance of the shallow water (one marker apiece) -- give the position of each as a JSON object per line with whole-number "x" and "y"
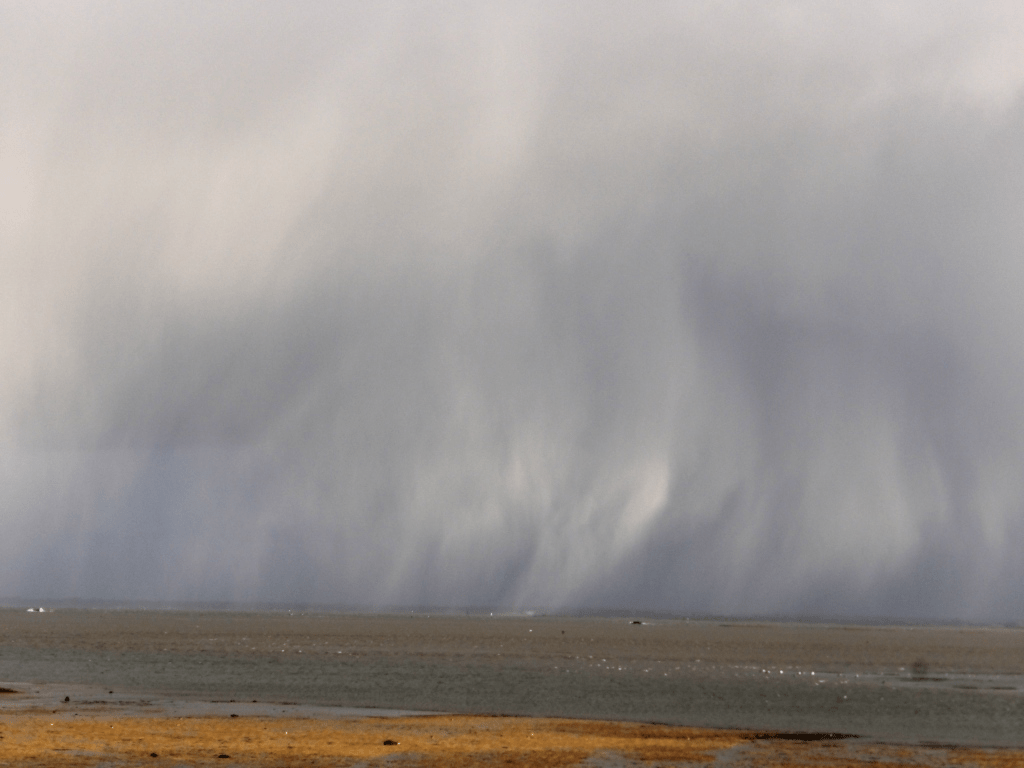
{"x": 942, "y": 685}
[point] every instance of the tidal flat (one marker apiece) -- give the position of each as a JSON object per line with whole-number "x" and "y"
{"x": 830, "y": 692}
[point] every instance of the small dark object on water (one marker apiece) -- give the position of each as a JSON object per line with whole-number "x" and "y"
{"x": 67, "y": 698}
{"x": 8, "y": 690}
{"x": 223, "y": 755}
{"x": 636, "y": 622}
{"x": 234, "y": 715}
{"x": 390, "y": 743}
{"x": 110, "y": 691}
{"x": 153, "y": 754}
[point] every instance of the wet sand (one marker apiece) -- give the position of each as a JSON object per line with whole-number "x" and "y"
{"x": 97, "y": 728}
{"x": 587, "y": 689}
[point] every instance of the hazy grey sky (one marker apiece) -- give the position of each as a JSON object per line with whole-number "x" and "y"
{"x": 691, "y": 306}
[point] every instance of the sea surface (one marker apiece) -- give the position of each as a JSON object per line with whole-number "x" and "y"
{"x": 938, "y": 685}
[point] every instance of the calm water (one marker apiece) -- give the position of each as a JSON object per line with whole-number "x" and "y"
{"x": 944, "y": 685}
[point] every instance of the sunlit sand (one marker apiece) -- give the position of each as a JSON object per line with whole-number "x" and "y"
{"x": 46, "y": 739}
{"x": 41, "y": 729}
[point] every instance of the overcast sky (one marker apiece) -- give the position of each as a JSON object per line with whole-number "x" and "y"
{"x": 704, "y": 307}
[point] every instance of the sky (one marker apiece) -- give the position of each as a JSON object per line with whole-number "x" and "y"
{"x": 695, "y": 307}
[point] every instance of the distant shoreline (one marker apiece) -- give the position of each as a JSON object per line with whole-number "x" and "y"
{"x": 507, "y": 611}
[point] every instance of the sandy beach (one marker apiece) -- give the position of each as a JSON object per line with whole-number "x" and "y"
{"x": 100, "y": 728}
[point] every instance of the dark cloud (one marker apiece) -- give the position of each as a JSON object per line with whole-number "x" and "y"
{"x": 692, "y": 309}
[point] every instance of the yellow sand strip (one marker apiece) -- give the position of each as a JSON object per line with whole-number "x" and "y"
{"x": 44, "y": 739}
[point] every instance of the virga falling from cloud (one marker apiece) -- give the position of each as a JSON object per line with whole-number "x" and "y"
{"x": 701, "y": 307}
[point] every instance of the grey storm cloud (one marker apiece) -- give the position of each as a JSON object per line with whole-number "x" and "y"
{"x": 695, "y": 307}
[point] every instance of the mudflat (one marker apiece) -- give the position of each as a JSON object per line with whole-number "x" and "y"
{"x": 813, "y": 692}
